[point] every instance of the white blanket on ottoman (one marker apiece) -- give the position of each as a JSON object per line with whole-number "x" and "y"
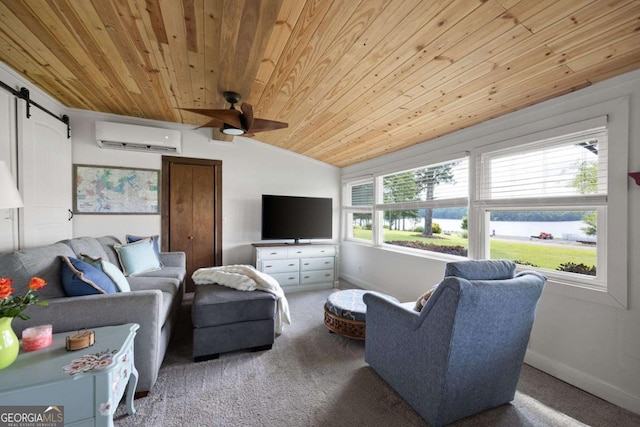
{"x": 246, "y": 278}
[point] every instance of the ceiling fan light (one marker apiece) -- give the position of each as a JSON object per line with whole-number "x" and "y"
{"x": 230, "y": 130}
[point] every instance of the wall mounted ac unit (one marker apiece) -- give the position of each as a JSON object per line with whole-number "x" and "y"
{"x": 120, "y": 136}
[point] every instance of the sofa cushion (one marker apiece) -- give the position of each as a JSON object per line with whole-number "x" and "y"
{"x": 138, "y": 257}
{"x": 164, "y": 284}
{"x": 86, "y": 245}
{"x": 42, "y": 262}
{"x": 177, "y": 273}
{"x": 110, "y": 270}
{"x": 80, "y": 278}
{"x": 107, "y": 243}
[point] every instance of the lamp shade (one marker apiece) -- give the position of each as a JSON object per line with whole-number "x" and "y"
{"x": 9, "y": 196}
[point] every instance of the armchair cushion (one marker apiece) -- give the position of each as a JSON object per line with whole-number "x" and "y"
{"x": 481, "y": 269}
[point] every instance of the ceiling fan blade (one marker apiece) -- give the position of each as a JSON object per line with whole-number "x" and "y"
{"x": 247, "y": 115}
{"x": 228, "y": 116}
{"x": 262, "y": 125}
{"x": 213, "y": 123}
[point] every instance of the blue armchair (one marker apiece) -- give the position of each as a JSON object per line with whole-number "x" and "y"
{"x": 463, "y": 352}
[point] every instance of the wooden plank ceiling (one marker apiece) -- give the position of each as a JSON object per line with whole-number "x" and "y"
{"x": 355, "y": 79}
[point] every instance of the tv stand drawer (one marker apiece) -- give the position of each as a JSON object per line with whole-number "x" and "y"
{"x": 317, "y": 276}
{"x": 287, "y": 279}
{"x": 279, "y": 265}
{"x": 311, "y": 251}
{"x": 324, "y": 263}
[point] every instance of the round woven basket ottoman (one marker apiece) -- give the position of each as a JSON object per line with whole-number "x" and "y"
{"x": 345, "y": 312}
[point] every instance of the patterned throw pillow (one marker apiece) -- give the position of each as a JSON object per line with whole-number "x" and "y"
{"x": 422, "y": 301}
{"x": 137, "y": 257}
{"x": 112, "y": 271}
{"x": 80, "y": 278}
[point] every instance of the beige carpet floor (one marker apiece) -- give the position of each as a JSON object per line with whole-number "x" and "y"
{"x": 314, "y": 378}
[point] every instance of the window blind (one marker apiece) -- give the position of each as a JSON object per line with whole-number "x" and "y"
{"x": 439, "y": 184}
{"x": 569, "y": 166}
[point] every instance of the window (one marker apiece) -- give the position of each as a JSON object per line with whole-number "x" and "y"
{"x": 551, "y": 195}
{"x": 544, "y": 204}
{"x": 359, "y": 211}
{"x": 426, "y": 208}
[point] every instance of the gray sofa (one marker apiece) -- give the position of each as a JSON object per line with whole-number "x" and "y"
{"x": 154, "y": 301}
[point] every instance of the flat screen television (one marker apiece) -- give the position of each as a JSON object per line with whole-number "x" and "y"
{"x": 291, "y": 217}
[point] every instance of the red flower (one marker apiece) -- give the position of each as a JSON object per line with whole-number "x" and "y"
{"x": 14, "y": 305}
{"x": 36, "y": 284}
{"x": 5, "y": 287}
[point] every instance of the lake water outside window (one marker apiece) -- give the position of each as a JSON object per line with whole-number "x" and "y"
{"x": 557, "y": 240}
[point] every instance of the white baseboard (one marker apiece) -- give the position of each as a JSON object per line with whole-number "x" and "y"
{"x": 359, "y": 283}
{"x": 586, "y": 382}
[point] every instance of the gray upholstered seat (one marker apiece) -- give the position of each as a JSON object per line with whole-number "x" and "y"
{"x": 463, "y": 352}
{"x": 226, "y": 319}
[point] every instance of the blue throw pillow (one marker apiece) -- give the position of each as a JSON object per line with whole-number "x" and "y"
{"x": 112, "y": 271}
{"x": 155, "y": 239}
{"x": 80, "y": 278}
{"x": 137, "y": 257}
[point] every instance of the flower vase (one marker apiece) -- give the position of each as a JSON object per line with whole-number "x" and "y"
{"x": 9, "y": 344}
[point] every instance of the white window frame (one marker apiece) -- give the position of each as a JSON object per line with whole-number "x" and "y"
{"x": 348, "y": 210}
{"x": 378, "y": 209}
{"x": 610, "y": 286}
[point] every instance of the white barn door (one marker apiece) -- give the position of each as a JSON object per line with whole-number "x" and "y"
{"x": 44, "y": 166}
{"x": 8, "y": 217}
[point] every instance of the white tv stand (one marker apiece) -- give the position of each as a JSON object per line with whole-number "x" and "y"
{"x": 299, "y": 267}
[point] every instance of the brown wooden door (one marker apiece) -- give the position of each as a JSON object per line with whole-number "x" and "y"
{"x": 192, "y": 210}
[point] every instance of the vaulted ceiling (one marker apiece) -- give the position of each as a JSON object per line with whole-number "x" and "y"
{"x": 355, "y": 79}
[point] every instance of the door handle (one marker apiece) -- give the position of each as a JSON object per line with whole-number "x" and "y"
{"x": 190, "y": 237}
{"x": 70, "y": 215}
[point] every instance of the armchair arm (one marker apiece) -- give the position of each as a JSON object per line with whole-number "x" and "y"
{"x": 385, "y": 310}
{"x": 173, "y": 259}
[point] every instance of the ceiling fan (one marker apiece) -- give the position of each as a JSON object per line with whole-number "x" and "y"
{"x": 236, "y": 122}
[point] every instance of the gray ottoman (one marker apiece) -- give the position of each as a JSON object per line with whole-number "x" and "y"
{"x": 225, "y": 319}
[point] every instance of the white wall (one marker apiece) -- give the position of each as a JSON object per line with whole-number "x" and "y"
{"x": 591, "y": 345}
{"x": 249, "y": 169}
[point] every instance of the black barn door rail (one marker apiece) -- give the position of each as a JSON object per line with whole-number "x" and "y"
{"x": 23, "y": 93}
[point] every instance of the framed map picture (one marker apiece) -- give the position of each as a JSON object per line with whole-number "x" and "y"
{"x": 115, "y": 190}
